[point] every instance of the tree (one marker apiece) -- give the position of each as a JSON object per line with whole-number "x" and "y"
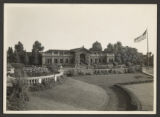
{"x": 17, "y": 58}
{"x": 96, "y": 46}
{"x": 124, "y": 55}
{"x": 36, "y": 56}
{"x": 19, "y": 49}
{"x": 109, "y": 49}
{"x": 10, "y": 55}
{"x": 26, "y": 59}
{"x": 37, "y": 46}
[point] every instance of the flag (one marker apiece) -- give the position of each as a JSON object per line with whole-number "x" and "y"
{"x": 141, "y": 37}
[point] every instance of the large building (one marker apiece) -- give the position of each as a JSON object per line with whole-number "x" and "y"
{"x": 76, "y": 57}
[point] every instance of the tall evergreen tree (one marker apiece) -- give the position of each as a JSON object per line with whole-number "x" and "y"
{"x": 17, "y": 58}
{"x": 10, "y": 55}
{"x": 36, "y": 56}
{"x": 19, "y": 49}
{"x": 26, "y": 59}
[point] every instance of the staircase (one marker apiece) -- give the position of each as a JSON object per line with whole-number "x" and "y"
{"x": 83, "y": 65}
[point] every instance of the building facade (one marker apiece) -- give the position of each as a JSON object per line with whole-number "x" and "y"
{"x": 76, "y": 57}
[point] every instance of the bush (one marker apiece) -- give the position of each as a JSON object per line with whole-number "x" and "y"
{"x": 17, "y": 65}
{"x": 53, "y": 68}
{"x": 88, "y": 73}
{"x": 138, "y": 68}
{"x": 131, "y": 69}
{"x": 17, "y": 96}
{"x": 44, "y": 85}
{"x": 70, "y": 73}
{"x": 128, "y": 64}
{"x": 115, "y": 64}
{"x": 80, "y": 73}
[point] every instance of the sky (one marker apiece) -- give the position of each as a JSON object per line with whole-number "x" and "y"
{"x": 68, "y": 26}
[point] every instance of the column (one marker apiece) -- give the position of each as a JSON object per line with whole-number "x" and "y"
{"x": 77, "y": 59}
{"x": 43, "y": 59}
{"x": 88, "y": 59}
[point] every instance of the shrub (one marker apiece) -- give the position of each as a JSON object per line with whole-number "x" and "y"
{"x": 70, "y": 73}
{"x": 138, "y": 68}
{"x": 80, "y": 73}
{"x": 110, "y": 71}
{"x": 17, "y": 65}
{"x": 115, "y": 63}
{"x": 44, "y": 85}
{"x": 18, "y": 96}
{"x": 131, "y": 69}
{"x": 53, "y": 68}
{"x": 128, "y": 64}
{"x": 88, "y": 73}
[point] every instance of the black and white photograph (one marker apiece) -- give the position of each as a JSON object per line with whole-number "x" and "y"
{"x": 80, "y": 58}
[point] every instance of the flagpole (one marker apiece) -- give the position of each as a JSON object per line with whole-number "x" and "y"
{"x": 147, "y": 49}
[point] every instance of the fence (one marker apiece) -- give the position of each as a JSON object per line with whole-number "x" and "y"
{"x": 35, "y": 80}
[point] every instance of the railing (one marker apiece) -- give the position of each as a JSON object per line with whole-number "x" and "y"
{"x": 148, "y": 70}
{"x": 39, "y": 79}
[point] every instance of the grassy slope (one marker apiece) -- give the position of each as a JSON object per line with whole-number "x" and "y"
{"x": 77, "y": 95}
{"x": 72, "y": 95}
{"x": 117, "y": 101}
{"x": 144, "y": 92}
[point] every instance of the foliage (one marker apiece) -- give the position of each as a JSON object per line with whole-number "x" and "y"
{"x": 46, "y": 84}
{"x": 70, "y": 73}
{"x": 96, "y": 46}
{"x": 19, "y": 52}
{"x": 19, "y": 55}
{"x": 26, "y": 59}
{"x": 36, "y": 56}
{"x": 37, "y": 46}
{"x": 124, "y": 54}
{"x": 109, "y": 48}
{"x": 17, "y": 96}
{"x": 10, "y": 55}
{"x": 53, "y": 68}
{"x": 17, "y": 65}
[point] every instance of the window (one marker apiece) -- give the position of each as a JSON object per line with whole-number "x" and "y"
{"x": 110, "y": 60}
{"x": 61, "y": 53}
{"x": 49, "y": 61}
{"x": 67, "y": 60}
{"x": 61, "y": 60}
{"x": 95, "y": 60}
{"x": 99, "y": 60}
{"x": 91, "y": 61}
{"x": 56, "y": 52}
{"x": 55, "y": 61}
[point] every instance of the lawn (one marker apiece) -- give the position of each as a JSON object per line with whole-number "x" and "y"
{"x": 92, "y": 92}
{"x": 106, "y": 81}
{"x": 72, "y": 95}
{"x": 139, "y": 90}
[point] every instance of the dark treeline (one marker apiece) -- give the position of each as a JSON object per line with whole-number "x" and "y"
{"x": 123, "y": 54}
{"x": 20, "y": 55}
